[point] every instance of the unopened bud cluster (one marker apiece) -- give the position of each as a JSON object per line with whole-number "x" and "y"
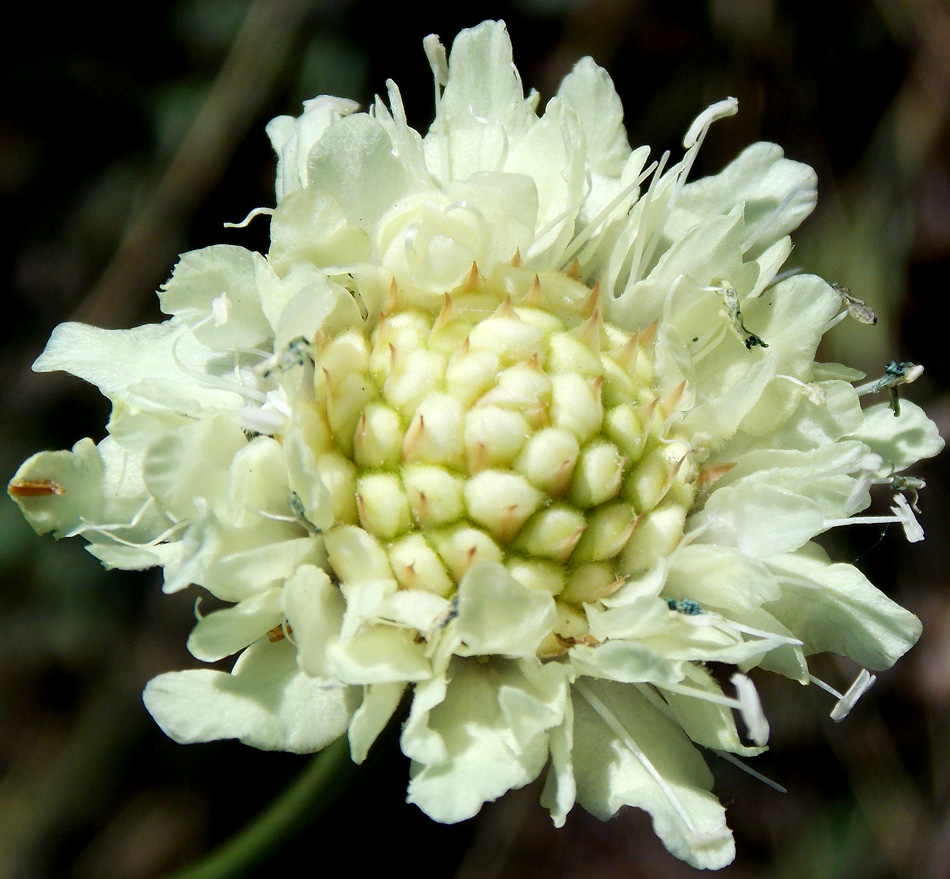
{"x": 513, "y": 426}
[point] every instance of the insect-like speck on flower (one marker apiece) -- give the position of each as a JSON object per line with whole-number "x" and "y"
{"x": 477, "y": 429}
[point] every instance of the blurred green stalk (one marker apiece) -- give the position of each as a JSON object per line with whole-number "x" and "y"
{"x": 308, "y": 798}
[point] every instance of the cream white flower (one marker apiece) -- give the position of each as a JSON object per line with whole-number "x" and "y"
{"x": 509, "y": 417}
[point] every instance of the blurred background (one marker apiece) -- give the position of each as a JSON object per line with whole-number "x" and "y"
{"x": 123, "y": 144}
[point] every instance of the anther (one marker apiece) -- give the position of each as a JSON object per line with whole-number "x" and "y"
{"x": 732, "y": 315}
{"x": 896, "y": 373}
{"x": 35, "y": 488}
{"x": 857, "y": 308}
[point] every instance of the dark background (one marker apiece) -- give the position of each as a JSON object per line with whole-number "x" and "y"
{"x": 124, "y": 144}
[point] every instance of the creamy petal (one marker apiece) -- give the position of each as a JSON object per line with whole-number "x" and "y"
{"x": 266, "y": 702}
{"x": 833, "y": 607}
{"x": 627, "y": 753}
{"x": 493, "y": 726}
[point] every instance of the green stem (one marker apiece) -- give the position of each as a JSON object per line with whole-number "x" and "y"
{"x": 305, "y": 800}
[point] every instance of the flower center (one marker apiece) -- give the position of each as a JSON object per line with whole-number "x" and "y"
{"x": 512, "y": 426}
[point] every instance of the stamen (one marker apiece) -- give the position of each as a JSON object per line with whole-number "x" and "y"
{"x": 862, "y": 683}
{"x": 570, "y": 211}
{"x": 288, "y": 631}
{"x": 710, "y": 344}
{"x": 300, "y": 514}
{"x": 902, "y": 515}
{"x": 840, "y": 316}
{"x": 815, "y": 394}
{"x": 905, "y": 515}
{"x": 818, "y": 682}
{"x": 220, "y": 309}
{"x": 739, "y": 764}
{"x": 762, "y": 633}
{"x": 896, "y": 373}
{"x": 435, "y": 53}
{"x": 751, "y": 709}
{"x": 109, "y": 531}
{"x": 297, "y": 352}
{"x": 647, "y": 202}
{"x": 697, "y": 131}
{"x": 703, "y": 695}
{"x": 213, "y": 381}
{"x": 733, "y": 317}
{"x": 910, "y": 484}
{"x": 270, "y": 418}
{"x": 693, "y": 140}
{"x": 582, "y": 237}
{"x": 257, "y": 212}
{"x": 782, "y": 276}
{"x": 274, "y": 517}
{"x": 856, "y": 308}
{"x": 763, "y": 227}
{"x": 133, "y": 522}
{"x": 870, "y": 465}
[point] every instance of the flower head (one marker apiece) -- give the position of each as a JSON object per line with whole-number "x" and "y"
{"x": 510, "y": 417}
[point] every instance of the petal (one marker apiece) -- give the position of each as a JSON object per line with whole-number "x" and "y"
{"x": 132, "y": 558}
{"x": 589, "y": 91}
{"x": 560, "y": 787}
{"x": 314, "y": 609}
{"x": 354, "y": 162}
{"x": 833, "y": 607}
{"x": 154, "y": 365}
{"x": 497, "y": 615}
{"x": 266, "y": 702}
{"x": 493, "y": 728}
{"x": 234, "y": 563}
{"x": 227, "y": 631}
{"x": 201, "y": 278}
{"x": 900, "y": 440}
{"x": 774, "y": 501}
{"x": 58, "y": 490}
{"x": 709, "y": 575}
{"x": 292, "y": 139}
{"x": 627, "y": 753}
{"x": 380, "y": 702}
{"x": 625, "y": 661}
{"x": 380, "y": 655}
{"x": 552, "y": 152}
{"x": 776, "y": 194}
{"x": 482, "y": 109}
{"x": 190, "y": 462}
{"x": 309, "y": 226}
